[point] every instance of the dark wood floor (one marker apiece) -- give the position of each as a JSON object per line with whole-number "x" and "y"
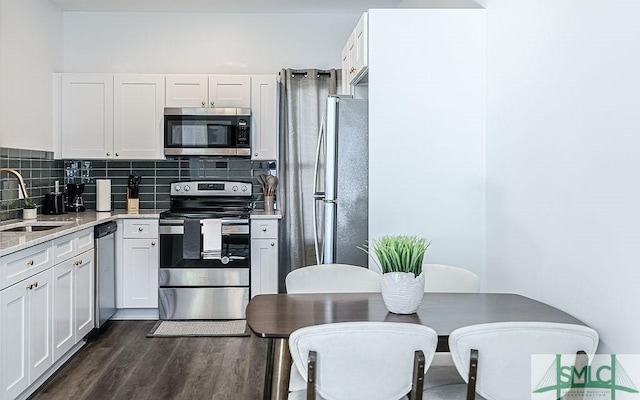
{"x": 124, "y": 364}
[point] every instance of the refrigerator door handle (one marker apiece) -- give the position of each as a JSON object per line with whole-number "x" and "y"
{"x": 317, "y": 195}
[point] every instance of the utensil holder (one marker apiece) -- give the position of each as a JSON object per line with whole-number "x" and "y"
{"x": 133, "y": 205}
{"x": 268, "y": 204}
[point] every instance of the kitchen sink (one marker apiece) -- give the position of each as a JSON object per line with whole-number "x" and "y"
{"x": 32, "y": 226}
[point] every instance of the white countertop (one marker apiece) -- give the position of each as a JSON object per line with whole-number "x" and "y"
{"x": 72, "y": 222}
{"x": 261, "y": 214}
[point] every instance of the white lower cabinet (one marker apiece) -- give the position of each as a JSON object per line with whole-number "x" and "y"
{"x": 137, "y": 279}
{"x": 63, "y": 308}
{"x": 83, "y": 294}
{"x": 26, "y": 340}
{"x": 264, "y": 256}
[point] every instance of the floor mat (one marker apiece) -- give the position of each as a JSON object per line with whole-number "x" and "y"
{"x": 199, "y": 328}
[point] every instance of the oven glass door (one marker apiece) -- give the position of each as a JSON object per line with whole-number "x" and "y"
{"x": 197, "y": 132}
{"x": 235, "y": 248}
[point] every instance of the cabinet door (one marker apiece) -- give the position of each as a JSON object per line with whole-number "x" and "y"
{"x": 63, "y": 308}
{"x": 14, "y": 340}
{"x": 264, "y": 117}
{"x": 40, "y": 322}
{"x": 87, "y": 116}
{"x": 345, "y": 69}
{"x": 138, "y": 109}
{"x": 83, "y": 294}
{"x": 264, "y": 266}
{"x": 186, "y": 90}
{"x": 140, "y": 264}
{"x": 229, "y": 91}
{"x": 359, "y": 51}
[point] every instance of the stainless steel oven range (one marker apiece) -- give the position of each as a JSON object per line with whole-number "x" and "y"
{"x": 205, "y": 251}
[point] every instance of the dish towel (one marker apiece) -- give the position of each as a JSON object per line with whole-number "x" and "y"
{"x": 211, "y": 238}
{"x": 191, "y": 239}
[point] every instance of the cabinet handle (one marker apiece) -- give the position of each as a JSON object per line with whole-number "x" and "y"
{"x": 212, "y": 104}
{"x": 30, "y": 262}
{"x": 30, "y": 286}
{"x": 153, "y": 243}
{"x": 255, "y": 154}
{"x": 352, "y": 70}
{"x": 272, "y": 244}
{"x": 264, "y": 229}
{"x": 204, "y": 104}
{"x": 117, "y": 155}
{"x": 140, "y": 229}
{"x": 108, "y": 154}
{"x": 79, "y": 262}
{"x": 35, "y": 284}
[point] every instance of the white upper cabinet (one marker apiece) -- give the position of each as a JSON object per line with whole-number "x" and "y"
{"x": 355, "y": 55}
{"x": 112, "y": 116}
{"x": 230, "y": 91}
{"x": 87, "y": 116}
{"x": 187, "y": 91}
{"x": 208, "y": 91}
{"x": 264, "y": 117}
{"x": 138, "y": 116}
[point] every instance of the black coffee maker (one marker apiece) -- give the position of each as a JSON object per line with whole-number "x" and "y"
{"x": 74, "y": 197}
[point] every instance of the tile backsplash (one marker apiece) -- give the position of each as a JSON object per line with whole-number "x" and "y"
{"x": 156, "y": 177}
{"x": 39, "y": 170}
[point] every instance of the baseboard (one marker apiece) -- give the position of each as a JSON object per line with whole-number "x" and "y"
{"x": 124, "y": 314}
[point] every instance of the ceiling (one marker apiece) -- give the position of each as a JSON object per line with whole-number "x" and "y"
{"x": 229, "y": 6}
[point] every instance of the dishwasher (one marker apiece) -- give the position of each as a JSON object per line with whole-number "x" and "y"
{"x": 105, "y": 273}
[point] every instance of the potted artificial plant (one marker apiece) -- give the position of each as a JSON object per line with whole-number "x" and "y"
{"x": 400, "y": 260}
{"x": 29, "y": 211}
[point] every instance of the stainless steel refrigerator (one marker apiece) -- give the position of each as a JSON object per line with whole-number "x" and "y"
{"x": 341, "y": 176}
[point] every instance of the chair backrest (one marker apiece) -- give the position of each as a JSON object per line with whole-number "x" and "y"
{"x": 332, "y": 278}
{"x": 505, "y": 349}
{"x": 362, "y": 360}
{"x": 446, "y": 278}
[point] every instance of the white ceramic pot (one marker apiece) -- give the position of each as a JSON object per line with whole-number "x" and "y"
{"x": 29, "y": 213}
{"x": 402, "y": 292}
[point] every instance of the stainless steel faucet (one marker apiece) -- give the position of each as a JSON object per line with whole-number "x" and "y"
{"x": 23, "y": 187}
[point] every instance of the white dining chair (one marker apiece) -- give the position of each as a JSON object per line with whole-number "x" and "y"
{"x": 450, "y": 279}
{"x": 332, "y": 278}
{"x": 328, "y": 278}
{"x": 447, "y": 279}
{"x": 362, "y": 360}
{"x": 501, "y": 354}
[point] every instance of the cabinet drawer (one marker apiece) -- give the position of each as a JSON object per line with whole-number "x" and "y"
{"x": 22, "y": 264}
{"x": 264, "y": 229}
{"x": 71, "y": 245}
{"x": 140, "y": 229}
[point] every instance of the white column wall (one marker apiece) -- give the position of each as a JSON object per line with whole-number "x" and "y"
{"x": 426, "y": 131}
{"x": 563, "y": 140}
{"x": 30, "y": 51}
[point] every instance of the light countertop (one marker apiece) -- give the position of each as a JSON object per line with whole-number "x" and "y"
{"x": 70, "y": 223}
{"x": 261, "y": 214}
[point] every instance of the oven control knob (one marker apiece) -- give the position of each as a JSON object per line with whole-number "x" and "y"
{"x": 186, "y": 188}
{"x": 177, "y": 188}
{"x": 244, "y": 188}
{"x": 224, "y": 260}
{"x": 235, "y": 188}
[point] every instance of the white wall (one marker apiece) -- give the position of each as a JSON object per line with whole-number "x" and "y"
{"x": 426, "y": 130}
{"x": 563, "y": 159}
{"x": 30, "y": 50}
{"x": 203, "y": 42}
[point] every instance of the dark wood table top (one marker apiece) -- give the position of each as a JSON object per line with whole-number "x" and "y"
{"x": 278, "y": 315}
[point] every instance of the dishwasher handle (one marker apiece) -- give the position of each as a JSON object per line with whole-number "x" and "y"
{"x": 105, "y": 229}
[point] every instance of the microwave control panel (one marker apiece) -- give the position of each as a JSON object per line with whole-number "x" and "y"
{"x": 243, "y": 133}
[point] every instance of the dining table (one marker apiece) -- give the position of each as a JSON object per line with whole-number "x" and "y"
{"x": 275, "y": 316}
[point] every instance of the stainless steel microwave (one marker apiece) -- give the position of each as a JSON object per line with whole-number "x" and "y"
{"x": 207, "y": 131}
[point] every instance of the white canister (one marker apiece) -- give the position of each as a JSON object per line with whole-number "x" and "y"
{"x": 103, "y": 194}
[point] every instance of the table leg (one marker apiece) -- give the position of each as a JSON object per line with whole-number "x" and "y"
{"x": 268, "y": 371}
{"x": 281, "y": 370}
